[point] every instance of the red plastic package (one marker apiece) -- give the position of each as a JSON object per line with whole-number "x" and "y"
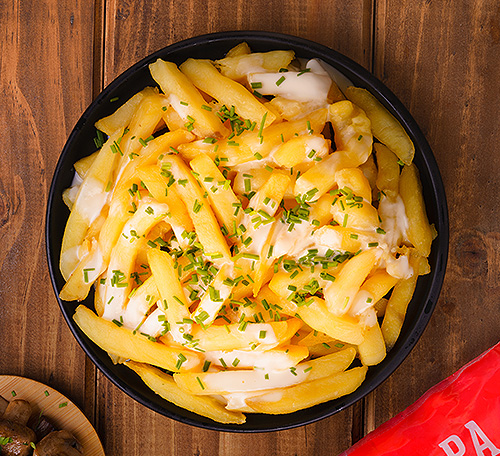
{"x": 458, "y": 417}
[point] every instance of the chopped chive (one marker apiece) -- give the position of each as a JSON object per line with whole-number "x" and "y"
{"x": 200, "y": 383}
{"x": 262, "y": 123}
{"x": 280, "y": 81}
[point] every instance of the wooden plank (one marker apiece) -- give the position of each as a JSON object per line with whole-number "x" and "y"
{"x": 442, "y": 61}
{"x": 134, "y": 30}
{"x": 46, "y": 69}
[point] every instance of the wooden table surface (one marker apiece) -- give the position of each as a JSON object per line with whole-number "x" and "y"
{"x": 442, "y": 59}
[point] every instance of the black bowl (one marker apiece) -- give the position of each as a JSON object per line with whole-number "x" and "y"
{"x": 80, "y": 144}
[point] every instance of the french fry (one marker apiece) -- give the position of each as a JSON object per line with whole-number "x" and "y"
{"x": 240, "y": 49}
{"x": 143, "y": 298}
{"x": 235, "y": 381}
{"x": 348, "y": 212}
{"x": 83, "y": 165}
{"x": 86, "y": 273}
{"x": 122, "y": 116}
{"x": 378, "y": 285}
{"x": 340, "y": 294}
{"x": 158, "y": 185}
{"x": 139, "y": 131}
{"x": 179, "y": 89}
{"x": 307, "y": 394}
{"x": 282, "y": 357}
{"x": 300, "y": 149}
{"x": 200, "y": 212}
{"x": 419, "y": 231}
{"x": 317, "y": 316}
{"x": 226, "y": 91}
{"x": 355, "y": 180}
{"x": 124, "y": 343}
{"x": 237, "y": 66}
{"x": 352, "y": 130}
{"x": 221, "y": 195}
{"x": 172, "y": 295}
{"x": 165, "y": 386}
{"x": 398, "y": 303}
{"x": 122, "y": 261}
{"x": 245, "y": 335}
{"x": 88, "y": 205}
{"x": 321, "y": 177}
{"x": 388, "y": 170}
{"x": 372, "y": 350}
{"x": 214, "y": 298}
{"x": 385, "y": 127}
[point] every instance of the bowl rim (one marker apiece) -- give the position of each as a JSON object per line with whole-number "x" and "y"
{"x": 355, "y": 71}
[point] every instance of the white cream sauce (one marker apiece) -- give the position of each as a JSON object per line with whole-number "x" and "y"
{"x": 292, "y": 85}
{"x": 251, "y": 359}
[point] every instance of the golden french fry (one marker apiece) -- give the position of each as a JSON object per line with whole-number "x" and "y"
{"x": 86, "y": 273}
{"x": 122, "y": 116}
{"x": 172, "y": 295}
{"x": 316, "y": 315}
{"x": 353, "y": 132}
{"x": 83, "y": 165}
{"x": 354, "y": 180}
{"x": 165, "y": 386}
{"x": 240, "y": 49}
{"x": 235, "y": 381}
{"x": 388, "y": 170}
{"x": 236, "y": 65}
{"x": 124, "y": 343}
{"x": 246, "y": 335}
{"x": 200, "y": 212}
{"x": 339, "y": 295}
{"x": 307, "y": 394}
{"x": 141, "y": 299}
{"x": 398, "y": 303}
{"x": 226, "y": 91}
{"x": 385, "y": 127}
{"x": 222, "y": 198}
{"x": 378, "y": 285}
{"x": 321, "y": 177}
{"x": 186, "y": 99}
{"x": 419, "y": 231}
{"x": 348, "y": 212}
{"x": 91, "y": 198}
{"x": 122, "y": 262}
{"x": 301, "y": 149}
{"x": 216, "y": 296}
{"x": 372, "y": 350}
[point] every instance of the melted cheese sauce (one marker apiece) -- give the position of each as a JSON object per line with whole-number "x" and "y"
{"x": 295, "y": 85}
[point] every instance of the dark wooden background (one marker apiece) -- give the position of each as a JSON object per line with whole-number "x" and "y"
{"x": 441, "y": 58}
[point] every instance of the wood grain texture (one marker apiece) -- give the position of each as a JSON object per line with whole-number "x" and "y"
{"x": 442, "y": 61}
{"x": 46, "y": 68}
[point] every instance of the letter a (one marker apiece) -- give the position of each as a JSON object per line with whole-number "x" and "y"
{"x": 475, "y": 432}
{"x": 445, "y": 445}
